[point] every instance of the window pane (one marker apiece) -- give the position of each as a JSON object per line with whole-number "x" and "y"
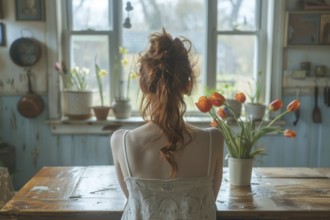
{"x": 237, "y": 15}
{"x": 84, "y": 50}
{"x": 179, "y": 17}
{"x": 236, "y": 63}
{"x": 89, "y": 15}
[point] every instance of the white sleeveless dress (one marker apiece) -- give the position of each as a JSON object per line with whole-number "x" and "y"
{"x": 173, "y": 199}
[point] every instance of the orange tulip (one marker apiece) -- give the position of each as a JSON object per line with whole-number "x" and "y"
{"x": 222, "y": 113}
{"x": 213, "y": 124}
{"x": 275, "y": 105}
{"x": 293, "y": 106}
{"x": 240, "y": 97}
{"x": 217, "y": 99}
{"x": 289, "y": 133}
{"x": 204, "y": 104}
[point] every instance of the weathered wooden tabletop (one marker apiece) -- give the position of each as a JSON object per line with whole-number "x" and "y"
{"x": 93, "y": 193}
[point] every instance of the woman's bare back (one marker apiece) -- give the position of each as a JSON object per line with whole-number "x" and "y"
{"x": 143, "y": 146}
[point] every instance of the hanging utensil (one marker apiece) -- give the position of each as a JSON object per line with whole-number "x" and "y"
{"x": 316, "y": 115}
{"x": 31, "y": 104}
{"x": 25, "y": 52}
{"x": 325, "y": 94}
{"x": 328, "y": 96}
{"x": 297, "y": 112}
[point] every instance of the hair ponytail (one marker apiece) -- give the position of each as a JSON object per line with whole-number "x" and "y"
{"x": 166, "y": 75}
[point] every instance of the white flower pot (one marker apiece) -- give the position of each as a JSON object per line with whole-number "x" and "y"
{"x": 254, "y": 111}
{"x": 240, "y": 171}
{"x": 235, "y": 106}
{"x": 77, "y": 104}
{"x": 122, "y": 108}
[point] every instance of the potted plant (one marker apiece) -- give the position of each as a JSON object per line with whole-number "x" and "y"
{"x": 254, "y": 109}
{"x": 241, "y": 143}
{"x": 121, "y": 106}
{"x": 77, "y": 98}
{"x": 101, "y": 112}
{"x": 228, "y": 90}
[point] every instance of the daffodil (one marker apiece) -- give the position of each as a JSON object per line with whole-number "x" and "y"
{"x": 130, "y": 74}
{"x": 75, "y": 79}
{"x": 100, "y": 73}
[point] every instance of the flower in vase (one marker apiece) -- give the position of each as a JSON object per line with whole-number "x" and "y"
{"x": 100, "y": 74}
{"x": 125, "y": 64}
{"x": 75, "y": 79}
{"x": 240, "y": 142}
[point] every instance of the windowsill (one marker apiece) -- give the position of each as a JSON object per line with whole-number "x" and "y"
{"x": 92, "y": 126}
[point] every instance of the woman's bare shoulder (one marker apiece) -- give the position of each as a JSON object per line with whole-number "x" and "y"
{"x": 215, "y": 132}
{"x": 116, "y": 138}
{"x": 217, "y": 138}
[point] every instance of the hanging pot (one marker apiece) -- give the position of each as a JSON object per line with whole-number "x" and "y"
{"x": 31, "y": 104}
{"x": 25, "y": 52}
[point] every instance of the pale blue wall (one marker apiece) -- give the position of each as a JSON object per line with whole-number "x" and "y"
{"x": 34, "y": 135}
{"x": 311, "y": 147}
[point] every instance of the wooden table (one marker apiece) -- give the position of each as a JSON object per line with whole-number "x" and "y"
{"x": 93, "y": 193}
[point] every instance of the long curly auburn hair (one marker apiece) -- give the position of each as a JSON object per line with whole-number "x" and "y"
{"x": 166, "y": 75}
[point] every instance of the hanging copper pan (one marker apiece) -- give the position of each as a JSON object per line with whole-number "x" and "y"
{"x": 26, "y": 52}
{"x": 30, "y": 105}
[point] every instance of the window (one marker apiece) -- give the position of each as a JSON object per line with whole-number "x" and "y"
{"x": 89, "y": 35}
{"x": 229, "y": 57}
{"x": 179, "y": 17}
{"x": 239, "y": 46}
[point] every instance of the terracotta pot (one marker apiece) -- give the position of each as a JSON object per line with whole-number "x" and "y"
{"x": 101, "y": 112}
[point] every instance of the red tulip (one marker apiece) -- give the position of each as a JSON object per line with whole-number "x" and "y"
{"x": 275, "y": 105}
{"x": 204, "y": 104}
{"x": 293, "y": 106}
{"x": 289, "y": 133}
{"x": 222, "y": 113}
{"x": 240, "y": 97}
{"x": 217, "y": 99}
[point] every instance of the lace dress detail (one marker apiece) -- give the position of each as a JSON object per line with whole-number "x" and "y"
{"x": 175, "y": 199}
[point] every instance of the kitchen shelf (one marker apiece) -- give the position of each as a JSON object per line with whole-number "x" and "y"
{"x": 319, "y": 46}
{"x": 304, "y": 40}
{"x": 304, "y": 85}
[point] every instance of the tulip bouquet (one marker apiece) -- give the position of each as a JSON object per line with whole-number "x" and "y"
{"x": 240, "y": 142}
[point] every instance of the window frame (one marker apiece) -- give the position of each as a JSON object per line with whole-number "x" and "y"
{"x": 261, "y": 49}
{"x": 265, "y": 46}
{"x": 113, "y": 34}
